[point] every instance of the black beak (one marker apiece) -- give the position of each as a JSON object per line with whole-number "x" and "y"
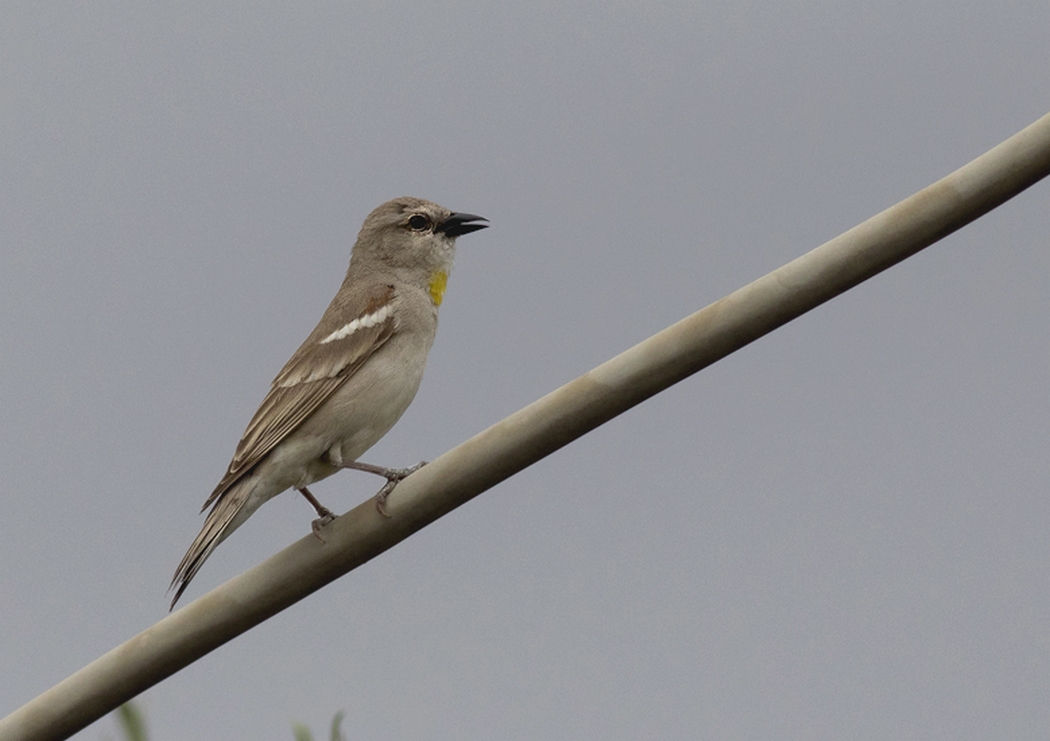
{"x": 459, "y": 224}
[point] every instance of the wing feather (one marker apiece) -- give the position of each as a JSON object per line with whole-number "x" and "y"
{"x": 311, "y": 376}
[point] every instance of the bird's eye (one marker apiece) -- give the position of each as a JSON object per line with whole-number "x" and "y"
{"x": 418, "y": 223}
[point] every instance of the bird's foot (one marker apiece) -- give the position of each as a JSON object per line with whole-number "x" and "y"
{"x": 324, "y": 515}
{"x": 393, "y": 478}
{"x": 392, "y": 475}
{"x": 320, "y": 524}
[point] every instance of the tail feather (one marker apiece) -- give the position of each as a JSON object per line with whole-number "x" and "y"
{"x": 229, "y": 511}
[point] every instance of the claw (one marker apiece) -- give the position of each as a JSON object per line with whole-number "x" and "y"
{"x": 382, "y": 495}
{"x": 393, "y": 478}
{"x": 320, "y": 523}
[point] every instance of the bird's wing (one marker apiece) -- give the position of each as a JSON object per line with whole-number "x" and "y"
{"x": 344, "y": 339}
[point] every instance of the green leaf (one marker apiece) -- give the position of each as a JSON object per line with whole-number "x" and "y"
{"x": 132, "y": 721}
{"x": 337, "y": 734}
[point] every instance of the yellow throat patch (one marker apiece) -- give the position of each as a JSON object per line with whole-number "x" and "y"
{"x": 438, "y": 282}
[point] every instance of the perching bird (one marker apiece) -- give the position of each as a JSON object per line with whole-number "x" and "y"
{"x": 352, "y": 379}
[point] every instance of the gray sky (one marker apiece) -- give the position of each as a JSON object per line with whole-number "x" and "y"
{"x": 838, "y": 532}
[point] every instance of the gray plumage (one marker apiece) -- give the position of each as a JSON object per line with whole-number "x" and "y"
{"x": 353, "y": 377}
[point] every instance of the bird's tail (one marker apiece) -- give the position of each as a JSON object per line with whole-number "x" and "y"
{"x": 231, "y": 508}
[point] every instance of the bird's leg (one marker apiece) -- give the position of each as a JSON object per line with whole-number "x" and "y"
{"x": 324, "y": 515}
{"x": 392, "y": 476}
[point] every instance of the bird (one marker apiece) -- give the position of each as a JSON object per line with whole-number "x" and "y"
{"x": 350, "y": 381}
